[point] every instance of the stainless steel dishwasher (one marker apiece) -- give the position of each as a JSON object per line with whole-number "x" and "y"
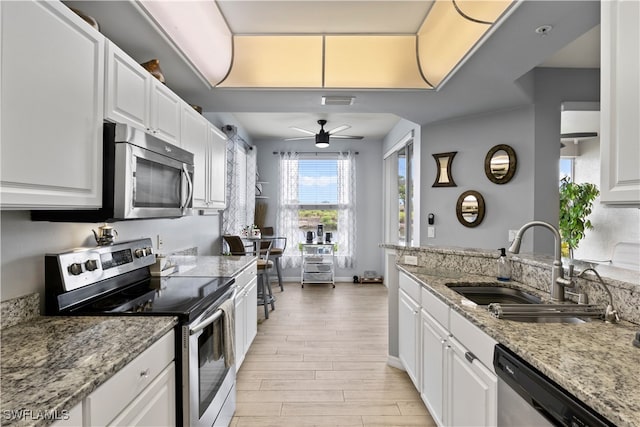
{"x": 526, "y": 397}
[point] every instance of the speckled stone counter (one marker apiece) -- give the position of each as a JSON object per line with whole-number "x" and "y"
{"x": 594, "y": 361}
{"x": 49, "y": 364}
{"x": 209, "y": 266}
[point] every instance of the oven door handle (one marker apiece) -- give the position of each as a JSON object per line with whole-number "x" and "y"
{"x": 209, "y": 320}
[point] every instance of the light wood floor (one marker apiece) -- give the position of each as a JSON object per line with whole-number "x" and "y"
{"x": 320, "y": 359}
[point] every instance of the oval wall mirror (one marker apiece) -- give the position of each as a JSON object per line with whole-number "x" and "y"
{"x": 470, "y": 208}
{"x": 500, "y": 164}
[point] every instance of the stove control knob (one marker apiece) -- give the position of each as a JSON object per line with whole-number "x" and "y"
{"x": 139, "y": 253}
{"x": 91, "y": 265}
{"x": 148, "y": 251}
{"x": 75, "y": 269}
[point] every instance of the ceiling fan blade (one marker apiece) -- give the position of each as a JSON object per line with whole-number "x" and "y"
{"x": 299, "y": 138}
{"x": 302, "y": 130}
{"x": 346, "y": 137}
{"x": 338, "y": 129}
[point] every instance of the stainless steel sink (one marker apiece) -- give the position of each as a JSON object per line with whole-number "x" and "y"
{"x": 485, "y": 295}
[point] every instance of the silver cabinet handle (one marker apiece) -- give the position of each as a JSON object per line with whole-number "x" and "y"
{"x": 470, "y": 356}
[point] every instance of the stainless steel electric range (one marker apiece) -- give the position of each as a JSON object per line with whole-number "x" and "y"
{"x": 116, "y": 280}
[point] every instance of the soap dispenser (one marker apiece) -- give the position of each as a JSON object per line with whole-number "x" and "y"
{"x": 504, "y": 266}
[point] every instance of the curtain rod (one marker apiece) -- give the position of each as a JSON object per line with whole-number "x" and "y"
{"x": 313, "y": 152}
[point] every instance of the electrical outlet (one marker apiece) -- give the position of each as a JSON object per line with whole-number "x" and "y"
{"x": 512, "y": 235}
{"x": 159, "y": 242}
{"x": 410, "y": 260}
{"x": 431, "y": 232}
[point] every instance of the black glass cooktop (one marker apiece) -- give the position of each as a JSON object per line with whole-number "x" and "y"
{"x": 185, "y": 297}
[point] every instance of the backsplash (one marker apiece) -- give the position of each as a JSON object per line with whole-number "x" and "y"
{"x": 18, "y": 310}
{"x": 533, "y": 270}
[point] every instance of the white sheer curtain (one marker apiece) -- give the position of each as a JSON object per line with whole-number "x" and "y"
{"x": 287, "y": 214}
{"x": 346, "y": 238}
{"x": 241, "y": 182}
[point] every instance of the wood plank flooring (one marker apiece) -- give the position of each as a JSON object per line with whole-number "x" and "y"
{"x": 320, "y": 360}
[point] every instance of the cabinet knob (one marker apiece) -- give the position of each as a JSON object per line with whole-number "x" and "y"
{"x": 144, "y": 374}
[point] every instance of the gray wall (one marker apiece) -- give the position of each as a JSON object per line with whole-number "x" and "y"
{"x": 24, "y": 243}
{"x": 533, "y": 131}
{"x": 507, "y": 206}
{"x": 368, "y": 196}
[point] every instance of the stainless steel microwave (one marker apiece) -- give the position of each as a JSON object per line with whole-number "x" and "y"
{"x": 143, "y": 177}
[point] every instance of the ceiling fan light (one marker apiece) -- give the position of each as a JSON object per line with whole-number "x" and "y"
{"x": 322, "y": 144}
{"x": 322, "y": 139}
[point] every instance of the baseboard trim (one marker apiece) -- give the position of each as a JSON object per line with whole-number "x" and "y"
{"x": 395, "y": 362}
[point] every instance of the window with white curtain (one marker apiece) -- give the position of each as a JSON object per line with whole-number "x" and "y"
{"x": 399, "y": 194}
{"x": 318, "y": 190}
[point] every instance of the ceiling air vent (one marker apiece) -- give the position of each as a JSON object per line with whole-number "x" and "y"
{"x": 338, "y": 100}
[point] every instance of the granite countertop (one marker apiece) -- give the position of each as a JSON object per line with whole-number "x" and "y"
{"x": 594, "y": 361}
{"x": 209, "y": 266}
{"x": 49, "y": 364}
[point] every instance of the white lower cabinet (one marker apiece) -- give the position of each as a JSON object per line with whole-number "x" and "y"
{"x": 246, "y": 316}
{"x": 409, "y": 335}
{"x": 143, "y": 393}
{"x": 434, "y": 360}
{"x": 472, "y": 389}
{"x": 451, "y": 357}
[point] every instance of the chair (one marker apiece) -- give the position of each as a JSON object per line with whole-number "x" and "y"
{"x": 277, "y": 249}
{"x": 265, "y": 294}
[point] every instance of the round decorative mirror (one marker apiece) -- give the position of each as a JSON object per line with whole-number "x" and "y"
{"x": 470, "y": 208}
{"x": 500, "y": 164}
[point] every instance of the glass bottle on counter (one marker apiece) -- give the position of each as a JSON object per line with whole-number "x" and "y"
{"x": 504, "y": 266}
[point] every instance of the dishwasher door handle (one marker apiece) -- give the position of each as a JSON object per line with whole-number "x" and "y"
{"x": 470, "y": 356}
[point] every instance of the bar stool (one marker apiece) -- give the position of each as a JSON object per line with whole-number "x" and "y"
{"x": 265, "y": 294}
{"x": 277, "y": 249}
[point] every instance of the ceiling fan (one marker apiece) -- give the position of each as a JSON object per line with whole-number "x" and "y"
{"x": 322, "y": 137}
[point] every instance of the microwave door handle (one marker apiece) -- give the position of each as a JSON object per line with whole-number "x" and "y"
{"x": 189, "y": 186}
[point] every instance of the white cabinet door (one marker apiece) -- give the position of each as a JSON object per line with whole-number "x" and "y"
{"x": 155, "y": 406}
{"x": 128, "y": 89}
{"x": 241, "y": 327}
{"x": 434, "y": 366}
{"x": 217, "y": 169}
{"x": 165, "y": 113}
{"x": 620, "y": 102}
{"x": 472, "y": 389}
{"x": 52, "y": 100}
{"x": 408, "y": 335}
{"x": 193, "y": 135}
{"x": 252, "y": 312}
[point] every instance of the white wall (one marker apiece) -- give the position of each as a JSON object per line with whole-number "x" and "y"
{"x": 368, "y": 196}
{"x": 610, "y": 225}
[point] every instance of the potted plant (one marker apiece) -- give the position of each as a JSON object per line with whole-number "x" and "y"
{"x": 576, "y": 204}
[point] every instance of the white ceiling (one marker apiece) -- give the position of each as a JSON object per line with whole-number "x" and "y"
{"x": 488, "y": 80}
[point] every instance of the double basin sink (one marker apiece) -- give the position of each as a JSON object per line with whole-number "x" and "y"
{"x": 516, "y": 304}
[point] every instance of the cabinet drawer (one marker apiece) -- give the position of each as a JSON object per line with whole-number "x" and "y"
{"x": 472, "y": 337}
{"x": 317, "y": 277}
{"x": 246, "y": 276}
{"x": 318, "y": 268}
{"x": 108, "y": 400}
{"x": 435, "y": 307}
{"x": 410, "y": 286}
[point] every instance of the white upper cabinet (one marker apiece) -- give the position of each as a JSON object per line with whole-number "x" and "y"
{"x": 620, "y": 102}
{"x": 52, "y": 86}
{"x": 217, "y": 168}
{"x": 194, "y": 137}
{"x": 165, "y": 113}
{"x": 135, "y": 97}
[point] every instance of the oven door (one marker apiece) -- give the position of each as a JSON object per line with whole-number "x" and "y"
{"x": 150, "y": 185}
{"x": 209, "y": 386}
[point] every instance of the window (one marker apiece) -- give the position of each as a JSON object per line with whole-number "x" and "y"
{"x": 317, "y": 190}
{"x": 318, "y": 194}
{"x": 400, "y": 193}
{"x": 405, "y": 195}
{"x": 566, "y": 168}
